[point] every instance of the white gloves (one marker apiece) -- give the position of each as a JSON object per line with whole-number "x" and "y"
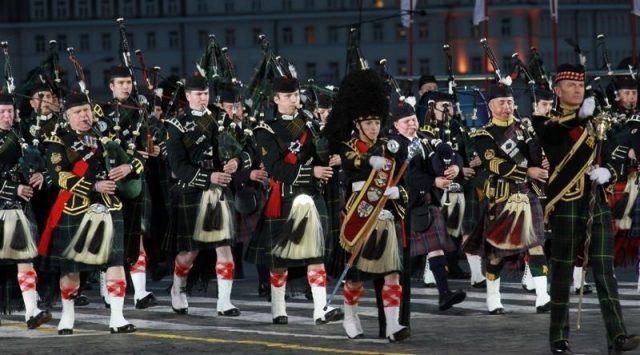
{"x": 587, "y": 108}
{"x": 600, "y": 175}
{"x": 376, "y": 162}
{"x": 392, "y": 192}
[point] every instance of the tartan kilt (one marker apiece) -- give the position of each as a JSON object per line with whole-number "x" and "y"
{"x": 434, "y": 238}
{"x": 135, "y": 214}
{"x": 334, "y": 196}
{"x": 186, "y": 205}
{"x": 247, "y": 223}
{"x": 634, "y": 232}
{"x": 269, "y": 231}
{"x": 537, "y": 219}
{"x": 471, "y": 210}
{"x": 62, "y": 236}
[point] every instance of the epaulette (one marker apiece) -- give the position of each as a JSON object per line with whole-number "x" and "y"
{"x": 481, "y": 132}
{"x": 562, "y": 117}
{"x": 174, "y": 122}
{"x": 351, "y": 143}
{"x": 262, "y": 125}
{"x": 53, "y": 139}
{"x": 98, "y": 111}
{"x": 428, "y": 129}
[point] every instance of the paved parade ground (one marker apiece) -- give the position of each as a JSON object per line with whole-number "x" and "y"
{"x": 464, "y": 329}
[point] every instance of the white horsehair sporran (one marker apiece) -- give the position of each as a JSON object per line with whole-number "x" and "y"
{"x": 380, "y": 253}
{"x": 302, "y": 236}
{"x": 16, "y": 240}
{"x": 214, "y": 222}
{"x": 92, "y": 242}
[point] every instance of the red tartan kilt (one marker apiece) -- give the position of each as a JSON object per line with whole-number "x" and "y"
{"x": 618, "y": 193}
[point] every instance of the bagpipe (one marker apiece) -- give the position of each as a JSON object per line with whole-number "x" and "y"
{"x": 16, "y": 239}
{"x": 131, "y": 186}
{"x": 259, "y": 90}
{"x": 30, "y": 158}
{"x": 536, "y": 152}
{"x": 156, "y": 133}
{"x": 140, "y": 102}
{"x": 217, "y": 67}
{"x": 355, "y": 59}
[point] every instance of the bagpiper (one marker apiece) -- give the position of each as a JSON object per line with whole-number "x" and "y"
{"x": 513, "y": 222}
{"x": 18, "y": 228}
{"x": 295, "y": 219}
{"x": 84, "y": 230}
{"x": 122, "y": 118}
{"x": 202, "y": 214}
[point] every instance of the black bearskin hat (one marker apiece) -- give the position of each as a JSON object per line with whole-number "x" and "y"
{"x": 362, "y": 94}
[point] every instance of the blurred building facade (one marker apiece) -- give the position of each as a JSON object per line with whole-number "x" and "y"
{"x": 312, "y": 34}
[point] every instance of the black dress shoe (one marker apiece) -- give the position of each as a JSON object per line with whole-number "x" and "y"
{"x": 625, "y": 343}
{"x": 181, "y": 310}
{"x": 561, "y": 347}
{"x": 146, "y": 302}
{"x": 233, "y": 312}
{"x": 544, "y": 308}
{"x": 333, "y": 315}
{"x": 481, "y": 284}
{"x": 497, "y": 311}
{"x": 65, "y": 331}
{"x": 129, "y": 328}
{"x": 400, "y": 335}
{"x": 281, "y": 320}
{"x": 587, "y": 290}
{"x": 81, "y": 300}
{"x": 40, "y": 319}
{"x": 449, "y": 298}
{"x": 429, "y": 285}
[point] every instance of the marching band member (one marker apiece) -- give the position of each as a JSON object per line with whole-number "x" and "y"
{"x": 86, "y": 219}
{"x": 569, "y": 140}
{"x": 361, "y": 106}
{"x": 202, "y": 215}
{"x": 125, "y": 122}
{"x": 514, "y": 222}
{"x": 295, "y": 219}
{"x": 17, "y": 223}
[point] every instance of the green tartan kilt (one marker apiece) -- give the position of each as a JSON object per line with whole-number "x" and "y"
{"x": 186, "y": 205}
{"x": 269, "y": 231}
{"x": 135, "y": 214}
{"x": 334, "y": 198}
{"x": 471, "y": 210}
{"x": 62, "y": 236}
